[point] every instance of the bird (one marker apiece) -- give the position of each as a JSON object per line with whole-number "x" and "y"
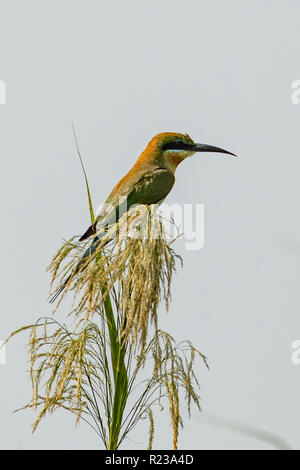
{"x": 148, "y": 182}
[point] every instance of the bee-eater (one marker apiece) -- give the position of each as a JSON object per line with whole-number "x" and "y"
{"x": 148, "y": 182}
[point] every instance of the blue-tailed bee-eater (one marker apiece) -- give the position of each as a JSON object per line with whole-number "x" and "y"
{"x": 148, "y": 182}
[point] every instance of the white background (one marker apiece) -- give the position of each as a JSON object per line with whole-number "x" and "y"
{"x": 123, "y": 71}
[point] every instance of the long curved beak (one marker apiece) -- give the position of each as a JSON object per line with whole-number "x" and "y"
{"x": 210, "y": 148}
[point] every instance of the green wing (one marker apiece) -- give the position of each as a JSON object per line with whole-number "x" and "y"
{"x": 151, "y": 188}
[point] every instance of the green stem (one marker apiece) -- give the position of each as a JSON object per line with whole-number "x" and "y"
{"x": 117, "y": 347}
{"x": 118, "y": 351}
{"x": 120, "y": 398}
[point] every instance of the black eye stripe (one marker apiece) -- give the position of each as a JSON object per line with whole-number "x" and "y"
{"x": 177, "y": 145}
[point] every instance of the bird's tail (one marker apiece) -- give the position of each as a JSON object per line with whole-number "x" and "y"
{"x": 86, "y": 254}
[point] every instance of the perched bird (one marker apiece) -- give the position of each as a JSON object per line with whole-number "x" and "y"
{"x": 148, "y": 182}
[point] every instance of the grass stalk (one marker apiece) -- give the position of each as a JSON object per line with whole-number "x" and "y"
{"x": 117, "y": 346}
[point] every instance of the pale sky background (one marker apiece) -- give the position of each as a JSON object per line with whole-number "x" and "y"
{"x": 123, "y": 71}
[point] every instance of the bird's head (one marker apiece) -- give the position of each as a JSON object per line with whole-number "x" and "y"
{"x": 172, "y": 148}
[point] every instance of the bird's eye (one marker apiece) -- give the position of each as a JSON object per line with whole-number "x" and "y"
{"x": 175, "y": 145}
